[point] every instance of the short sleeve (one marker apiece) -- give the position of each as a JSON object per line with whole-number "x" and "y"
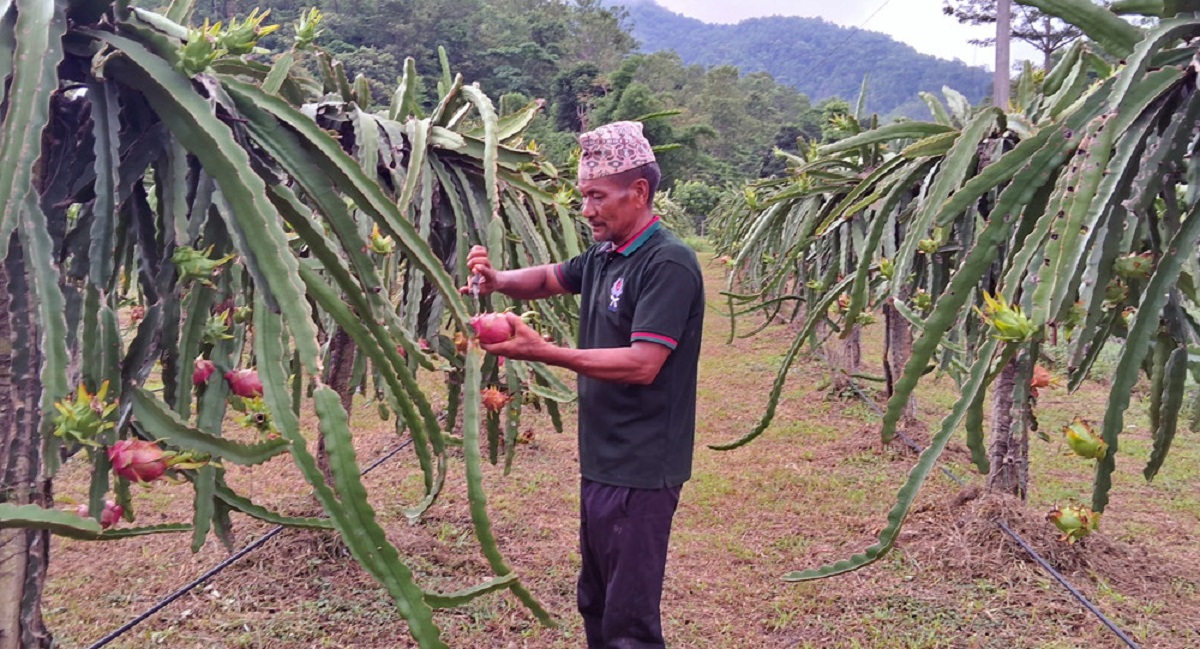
{"x": 570, "y": 273}
{"x": 665, "y": 304}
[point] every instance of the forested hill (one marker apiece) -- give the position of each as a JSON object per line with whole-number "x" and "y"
{"x": 818, "y": 57}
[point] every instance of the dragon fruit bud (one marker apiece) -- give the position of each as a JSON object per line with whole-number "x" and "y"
{"x": 887, "y": 268}
{"x": 492, "y": 328}
{"x": 137, "y": 460}
{"x": 203, "y": 369}
{"x": 1115, "y": 292}
{"x": 245, "y": 383}
{"x": 380, "y": 244}
{"x": 111, "y": 514}
{"x": 494, "y": 400}
{"x": 1076, "y": 316}
{"x": 1041, "y": 379}
{"x": 1127, "y": 315}
{"x": 1083, "y": 441}
{"x": 1134, "y": 266}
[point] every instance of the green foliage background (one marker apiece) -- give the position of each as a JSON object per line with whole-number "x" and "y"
{"x": 718, "y": 124}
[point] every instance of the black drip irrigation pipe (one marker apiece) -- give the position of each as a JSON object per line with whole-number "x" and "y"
{"x": 234, "y": 558}
{"x": 1041, "y": 561}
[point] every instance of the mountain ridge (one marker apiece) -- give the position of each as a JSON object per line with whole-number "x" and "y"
{"x": 816, "y": 56}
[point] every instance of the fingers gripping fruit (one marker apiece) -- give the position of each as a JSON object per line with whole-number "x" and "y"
{"x": 492, "y": 328}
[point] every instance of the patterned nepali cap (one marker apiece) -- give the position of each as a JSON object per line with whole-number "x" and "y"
{"x": 612, "y": 149}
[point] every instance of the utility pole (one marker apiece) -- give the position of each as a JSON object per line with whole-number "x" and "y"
{"x": 1003, "y": 36}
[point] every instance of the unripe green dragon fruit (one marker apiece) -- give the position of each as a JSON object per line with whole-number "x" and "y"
{"x": 1008, "y": 323}
{"x": 308, "y": 29}
{"x": 216, "y": 329}
{"x": 241, "y": 37}
{"x": 257, "y": 416}
{"x": 1074, "y": 521}
{"x": 195, "y": 265}
{"x": 1083, "y": 441}
{"x": 202, "y": 48}
{"x": 84, "y": 418}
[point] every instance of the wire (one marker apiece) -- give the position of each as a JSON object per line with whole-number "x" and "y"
{"x": 254, "y": 545}
{"x": 1066, "y": 584}
{"x": 1001, "y": 524}
{"x": 842, "y": 45}
{"x": 874, "y": 13}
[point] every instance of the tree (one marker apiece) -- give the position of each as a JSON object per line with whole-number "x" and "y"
{"x": 599, "y": 33}
{"x": 697, "y": 199}
{"x": 1041, "y": 30}
{"x": 573, "y": 92}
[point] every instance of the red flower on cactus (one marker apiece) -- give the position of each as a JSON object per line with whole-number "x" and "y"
{"x": 137, "y": 460}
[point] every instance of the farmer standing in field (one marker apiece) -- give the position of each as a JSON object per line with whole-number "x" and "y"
{"x": 641, "y": 315}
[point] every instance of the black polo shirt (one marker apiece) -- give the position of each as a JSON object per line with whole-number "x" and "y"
{"x": 649, "y": 289}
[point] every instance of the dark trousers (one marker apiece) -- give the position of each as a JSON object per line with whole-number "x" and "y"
{"x": 623, "y": 535}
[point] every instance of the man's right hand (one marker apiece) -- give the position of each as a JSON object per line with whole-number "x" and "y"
{"x": 480, "y": 268}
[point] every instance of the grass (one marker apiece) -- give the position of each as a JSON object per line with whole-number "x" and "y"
{"x": 815, "y": 488}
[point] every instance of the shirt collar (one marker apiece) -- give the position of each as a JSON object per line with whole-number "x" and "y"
{"x": 638, "y": 239}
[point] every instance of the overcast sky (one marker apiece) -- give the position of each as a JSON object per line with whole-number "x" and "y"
{"x": 919, "y": 23}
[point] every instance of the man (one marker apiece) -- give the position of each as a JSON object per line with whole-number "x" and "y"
{"x": 641, "y": 315}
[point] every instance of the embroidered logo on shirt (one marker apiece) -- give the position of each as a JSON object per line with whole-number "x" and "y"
{"x": 614, "y": 295}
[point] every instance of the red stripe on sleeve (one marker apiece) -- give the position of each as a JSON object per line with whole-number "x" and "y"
{"x": 655, "y": 338}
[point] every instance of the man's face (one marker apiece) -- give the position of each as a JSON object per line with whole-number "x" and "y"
{"x": 612, "y": 205}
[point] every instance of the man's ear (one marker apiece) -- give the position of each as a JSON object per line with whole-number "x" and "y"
{"x": 641, "y": 190}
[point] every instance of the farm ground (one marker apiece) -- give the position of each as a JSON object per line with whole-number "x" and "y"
{"x": 813, "y": 489}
